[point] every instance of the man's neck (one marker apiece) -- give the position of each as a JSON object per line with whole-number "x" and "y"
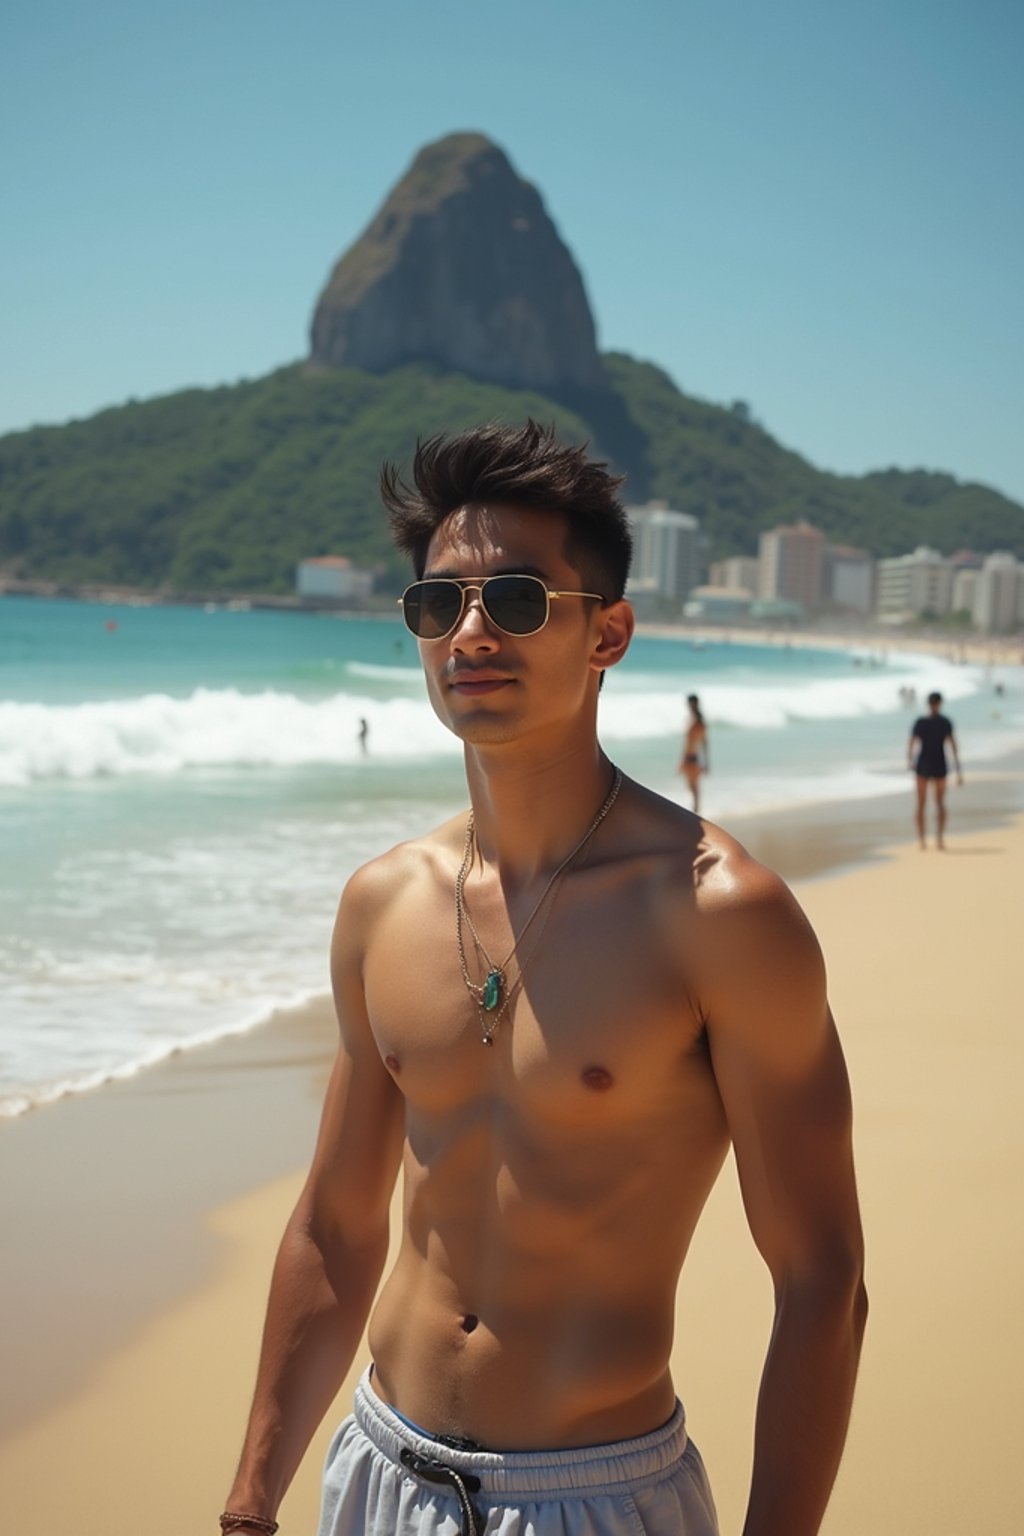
{"x": 530, "y": 812}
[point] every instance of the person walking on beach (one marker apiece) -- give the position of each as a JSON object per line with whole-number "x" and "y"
{"x": 695, "y": 758}
{"x": 929, "y": 734}
{"x": 557, "y": 1011}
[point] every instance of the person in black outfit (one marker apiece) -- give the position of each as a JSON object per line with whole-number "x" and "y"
{"x": 931, "y": 733}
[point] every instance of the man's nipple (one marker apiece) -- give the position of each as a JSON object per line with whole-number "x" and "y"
{"x": 392, "y": 1063}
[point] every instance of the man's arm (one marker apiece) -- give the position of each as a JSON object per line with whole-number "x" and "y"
{"x": 335, "y": 1244}
{"x": 783, "y": 1082}
{"x": 912, "y": 738}
{"x": 956, "y": 756}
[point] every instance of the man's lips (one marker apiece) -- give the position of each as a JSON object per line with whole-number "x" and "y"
{"x": 473, "y": 683}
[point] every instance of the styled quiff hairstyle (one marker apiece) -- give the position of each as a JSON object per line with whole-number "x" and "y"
{"x": 522, "y": 467}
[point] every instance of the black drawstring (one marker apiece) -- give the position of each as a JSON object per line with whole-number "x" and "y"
{"x": 464, "y": 1483}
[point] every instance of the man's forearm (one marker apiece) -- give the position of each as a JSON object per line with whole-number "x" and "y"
{"x": 804, "y": 1407}
{"x": 319, "y": 1302}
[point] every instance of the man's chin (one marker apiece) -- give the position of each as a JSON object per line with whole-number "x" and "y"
{"x": 489, "y": 733}
{"x": 480, "y": 728}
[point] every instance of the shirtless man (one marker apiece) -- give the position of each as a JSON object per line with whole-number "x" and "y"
{"x": 930, "y": 734}
{"x": 555, "y": 1019}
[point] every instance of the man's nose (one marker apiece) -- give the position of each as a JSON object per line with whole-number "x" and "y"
{"x": 474, "y": 631}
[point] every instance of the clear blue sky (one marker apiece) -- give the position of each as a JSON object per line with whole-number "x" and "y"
{"x": 816, "y": 208}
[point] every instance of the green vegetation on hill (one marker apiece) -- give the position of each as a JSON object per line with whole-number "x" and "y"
{"x": 227, "y": 489}
{"x": 720, "y": 465}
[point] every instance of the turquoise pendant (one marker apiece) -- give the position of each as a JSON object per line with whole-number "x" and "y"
{"x": 492, "y": 990}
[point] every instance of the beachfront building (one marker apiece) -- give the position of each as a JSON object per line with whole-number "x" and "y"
{"x": 998, "y": 607}
{"x": 666, "y": 553}
{"x": 914, "y": 585}
{"x": 791, "y": 563}
{"x": 849, "y": 578}
{"x": 718, "y": 605}
{"x": 966, "y": 565}
{"x": 777, "y": 611}
{"x": 332, "y": 579}
{"x": 965, "y": 586}
{"x": 738, "y": 572}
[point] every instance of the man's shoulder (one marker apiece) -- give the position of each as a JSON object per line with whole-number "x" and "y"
{"x": 705, "y": 861}
{"x": 748, "y": 929}
{"x": 375, "y": 884}
{"x": 732, "y": 880}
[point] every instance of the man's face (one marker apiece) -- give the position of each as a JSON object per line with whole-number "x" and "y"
{"x": 485, "y": 685}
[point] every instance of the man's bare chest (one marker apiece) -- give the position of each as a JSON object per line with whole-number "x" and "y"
{"x": 594, "y": 1017}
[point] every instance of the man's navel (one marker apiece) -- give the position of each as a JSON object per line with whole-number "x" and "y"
{"x": 598, "y": 1079}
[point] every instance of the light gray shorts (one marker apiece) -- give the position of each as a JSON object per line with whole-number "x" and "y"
{"x": 383, "y": 1478}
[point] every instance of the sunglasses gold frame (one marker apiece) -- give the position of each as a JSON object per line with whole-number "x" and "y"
{"x": 465, "y": 587}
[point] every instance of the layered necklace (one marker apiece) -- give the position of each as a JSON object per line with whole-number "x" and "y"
{"x": 493, "y": 995}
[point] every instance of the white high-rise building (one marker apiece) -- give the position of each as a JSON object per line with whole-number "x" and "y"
{"x": 997, "y": 594}
{"x": 849, "y": 578}
{"x": 965, "y": 585}
{"x": 910, "y": 585}
{"x": 666, "y": 551}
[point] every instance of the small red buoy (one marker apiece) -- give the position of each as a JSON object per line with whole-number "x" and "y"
{"x": 110, "y": 626}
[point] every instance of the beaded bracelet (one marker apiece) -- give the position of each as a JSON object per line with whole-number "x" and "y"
{"x": 231, "y": 1520}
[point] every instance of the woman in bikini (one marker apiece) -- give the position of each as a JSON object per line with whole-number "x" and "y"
{"x": 694, "y": 760}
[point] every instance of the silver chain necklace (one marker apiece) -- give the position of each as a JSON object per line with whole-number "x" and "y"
{"x": 494, "y": 994}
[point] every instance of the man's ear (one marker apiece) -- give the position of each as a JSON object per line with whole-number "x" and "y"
{"x": 617, "y": 623}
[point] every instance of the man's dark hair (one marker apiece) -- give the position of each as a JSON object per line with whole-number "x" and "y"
{"x": 524, "y": 467}
{"x": 935, "y": 698}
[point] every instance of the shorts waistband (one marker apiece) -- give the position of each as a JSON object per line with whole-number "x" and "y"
{"x": 529, "y": 1475}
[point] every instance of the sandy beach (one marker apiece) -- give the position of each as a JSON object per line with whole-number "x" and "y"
{"x": 869, "y": 640}
{"x": 140, "y": 1223}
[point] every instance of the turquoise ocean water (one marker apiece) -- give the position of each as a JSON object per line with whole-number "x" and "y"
{"x": 183, "y": 794}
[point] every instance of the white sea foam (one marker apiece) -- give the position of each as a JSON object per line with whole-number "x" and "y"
{"x": 644, "y": 708}
{"x": 158, "y": 734}
{"x": 221, "y": 728}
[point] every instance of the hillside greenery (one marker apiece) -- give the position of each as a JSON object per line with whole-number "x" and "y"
{"x": 719, "y": 464}
{"x": 227, "y": 489}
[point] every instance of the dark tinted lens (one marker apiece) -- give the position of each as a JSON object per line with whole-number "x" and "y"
{"x": 432, "y": 608}
{"x": 517, "y": 604}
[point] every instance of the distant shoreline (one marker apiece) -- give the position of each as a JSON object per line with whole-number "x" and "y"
{"x": 975, "y": 650}
{"x": 971, "y": 648}
{"x": 143, "y": 597}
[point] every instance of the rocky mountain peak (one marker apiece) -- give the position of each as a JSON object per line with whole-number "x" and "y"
{"x": 461, "y": 267}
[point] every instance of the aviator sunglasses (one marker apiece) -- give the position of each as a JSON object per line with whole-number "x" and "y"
{"x": 518, "y": 605}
